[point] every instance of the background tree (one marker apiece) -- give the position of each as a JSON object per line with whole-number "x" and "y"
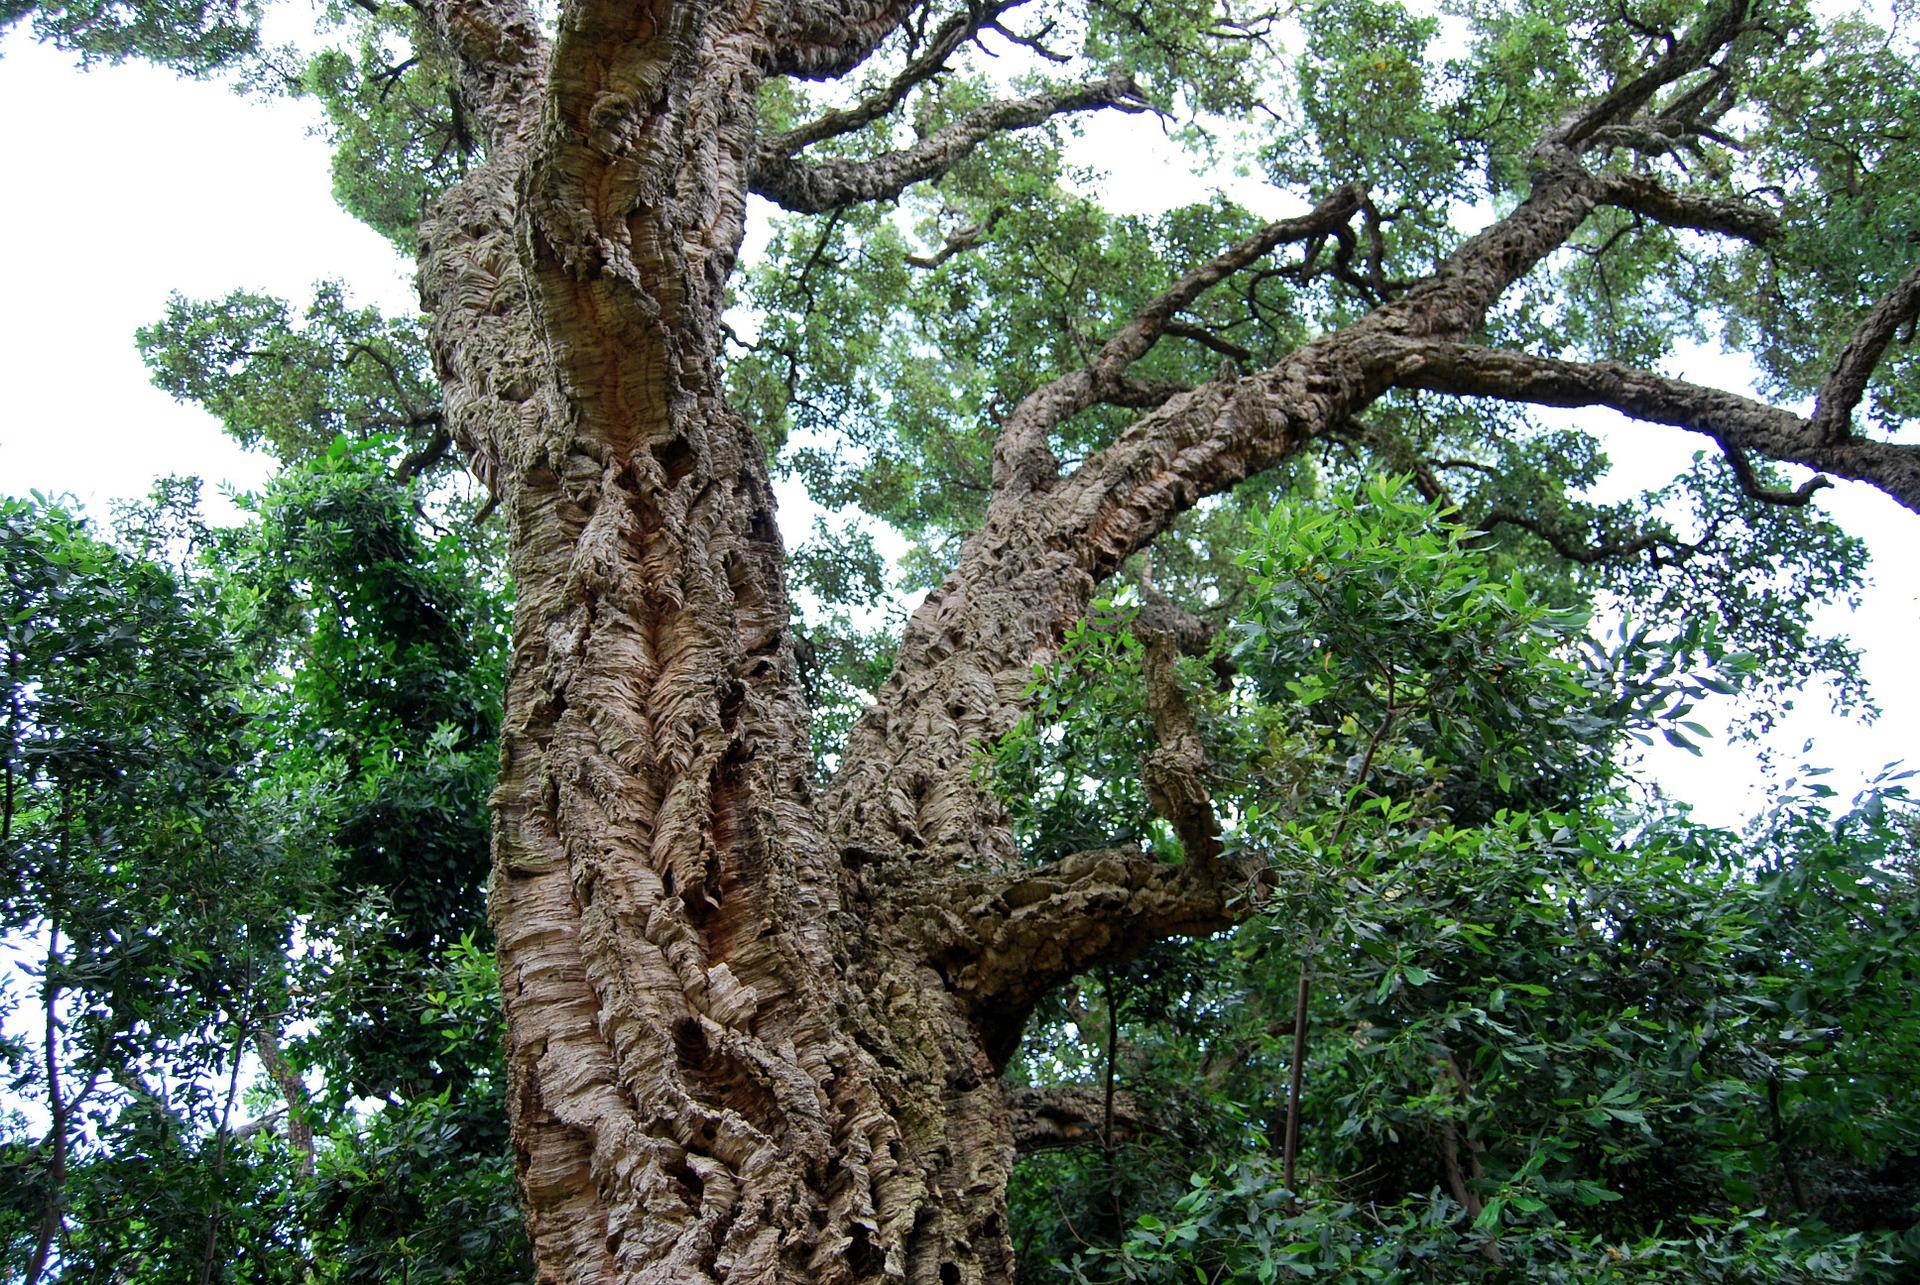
{"x": 757, "y": 1025}
{"x": 246, "y": 772}
{"x": 1571, "y": 1042}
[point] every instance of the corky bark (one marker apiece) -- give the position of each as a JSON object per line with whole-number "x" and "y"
{"x": 755, "y": 1033}
{"x": 727, "y": 1060}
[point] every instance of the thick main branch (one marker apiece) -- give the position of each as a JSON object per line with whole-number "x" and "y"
{"x": 501, "y": 59}
{"x": 1003, "y": 940}
{"x": 1717, "y": 214}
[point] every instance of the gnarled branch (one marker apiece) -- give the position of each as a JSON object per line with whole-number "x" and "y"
{"x": 1054, "y": 1116}
{"x": 1739, "y": 424}
{"x": 1664, "y": 549}
{"x": 1690, "y": 53}
{"x": 1174, "y": 770}
{"x": 1749, "y": 480}
{"x": 1843, "y": 389}
{"x": 818, "y": 186}
{"x": 958, "y": 241}
{"x": 930, "y": 62}
{"x": 1023, "y": 437}
{"x": 1002, "y": 940}
{"x": 428, "y": 454}
{"x": 501, "y": 58}
{"x": 1209, "y": 339}
{"x": 1722, "y": 215}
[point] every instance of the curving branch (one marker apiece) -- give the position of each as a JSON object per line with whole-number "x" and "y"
{"x": 1003, "y": 940}
{"x": 1739, "y": 424}
{"x": 818, "y": 186}
{"x": 1689, "y": 54}
{"x": 293, "y": 1091}
{"x": 1054, "y": 1116}
{"x": 1174, "y": 770}
{"x": 1660, "y": 547}
{"x": 930, "y": 62}
{"x": 1203, "y": 442}
{"x": 1722, "y": 215}
{"x": 1749, "y": 480}
{"x": 1206, "y": 338}
{"x": 1021, "y": 446}
{"x": 1843, "y": 389}
{"x": 958, "y": 241}
{"x": 429, "y": 453}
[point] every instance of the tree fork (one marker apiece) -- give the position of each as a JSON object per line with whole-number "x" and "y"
{"x": 754, "y": 1034}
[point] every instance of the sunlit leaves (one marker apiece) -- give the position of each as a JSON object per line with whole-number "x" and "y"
{"x": 195, "y": 37}
{"x": 291, "y": 383}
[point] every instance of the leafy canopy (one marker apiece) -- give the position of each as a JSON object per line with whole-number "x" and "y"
{"x": 1556, "y": 1030}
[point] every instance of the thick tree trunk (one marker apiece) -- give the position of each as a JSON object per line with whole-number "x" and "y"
{"x": 751, "y": 1037}
{"x": 755, "y": 1035}
{"x": 734, "y": 1053}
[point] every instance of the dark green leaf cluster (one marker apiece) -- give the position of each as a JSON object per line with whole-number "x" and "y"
{"x": 246, "y": 776}
{"x": 294, "y": 385}
{"x": 1574, "y": 1047}
{"x": 148, "y": 892}
{"x": 195, "y": 37}
{"x": 1553, "y": 1034}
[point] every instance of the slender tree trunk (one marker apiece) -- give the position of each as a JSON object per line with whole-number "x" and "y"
{"x": 54, "y": 1202}
{"x": 293, "y": 1091}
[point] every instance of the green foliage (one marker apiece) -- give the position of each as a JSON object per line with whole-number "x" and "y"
{"x": 1555, "y": 1035}
{"x": 1378, "y": 654}
{"x": 1590, "y": 1053}
{"x": 425, "y": 1186}
{"x": 1236, "y": 1225}
{"x": 1834, "y": 137}
{"x": 1379, "y": 620}
{"x": 246, "y": 775}
{"x": 151, "y": 895}
{"x": 195, "y": 37}
{"x": 1375, "y": 106}
{"x": 886, "y": 343}
{"x": 295, "y": 386}
{"x": 247, "y": 769}
{"x": 844, "y": 641}
{"x": 399, "y": 134}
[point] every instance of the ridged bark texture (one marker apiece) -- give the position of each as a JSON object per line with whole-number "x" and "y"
{"x": 754, "y": 1035}
{"x": 714, "y": 1072}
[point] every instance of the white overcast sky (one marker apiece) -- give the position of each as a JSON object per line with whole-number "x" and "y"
{"x": 125, "y": 184}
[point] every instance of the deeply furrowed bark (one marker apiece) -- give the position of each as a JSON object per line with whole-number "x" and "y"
{"x": 720, "y": 1066}
{"x": 754, "y": 1035}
